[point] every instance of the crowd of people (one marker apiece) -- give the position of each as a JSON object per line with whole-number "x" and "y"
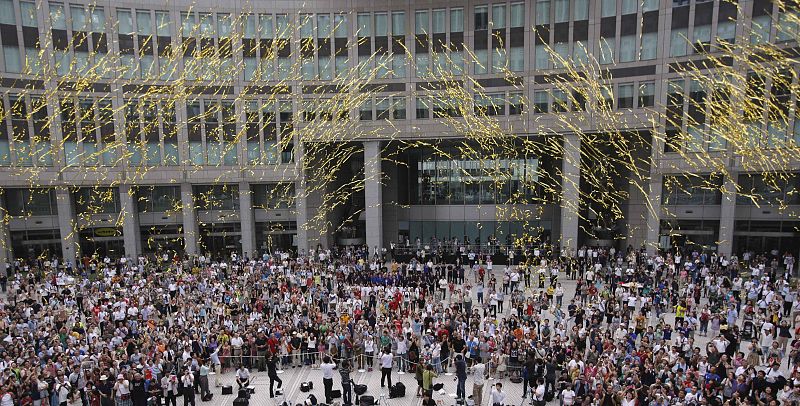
{"x": 119, "y": 332}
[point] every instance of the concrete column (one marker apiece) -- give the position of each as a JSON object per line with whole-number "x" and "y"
{"x": 130, "y": 222}
{"x": 654, "y": 213}
{"x": 247, "y": 219}
{"x": 727, "y": 215}
{"x": 190, "y": 229}
{"x": 570, "y": 193}
{"x": 301, "y": 214}
{"x": 373, "y": 195}
{"x": 66, "y": 224}
{"x": 5, "y": 241}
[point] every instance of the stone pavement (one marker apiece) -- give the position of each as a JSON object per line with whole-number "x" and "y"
{"x": 293, "y": 377}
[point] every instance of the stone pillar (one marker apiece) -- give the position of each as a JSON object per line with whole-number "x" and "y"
{"x": 570, "y": 193}
{"x": 66, "y": 224}
{"x": 130, "y": 222}
{"x": 727, "y": 215}
{"x": 301, "y": 213}
{"x": 373, "y": 195}
{"x": 653, "y": 242}
{"x": 190, "y": 229}
{"x": 5, "y": 241}
{"x": 247, "y": 219}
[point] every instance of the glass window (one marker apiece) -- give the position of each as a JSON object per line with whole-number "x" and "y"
{"x": 28, "y": 14}
{"x": 399, "y": 108}
{"x": 543, "y": 12}
{"x": 365, "y": 110}
{"x": 609, "y": 8}
{"x": 206, "y": 25}
{"x": 456, "y": 20}
{"x": 187, "y": 23}
{"x": 323, "y": 26}
{"x": 78, "y": 15}
{"x": 561, "y": 11}
{"x": 627, "y": 48}
{"x": 125, "y": 22}
{"x": 7, "y": 14}
{"x": 560, "y": 101}
{"x": 649, "y": 5}
{"x": 560, "y": 55}
{"x": 625, "y": 96}
{"x": 481, "y": 17}
{"x": 282, "y": 23}
{"x": 542, "y": 56}
{"x": 399, "y": 65}
{"x": 340, "y": 29}
{"x": 499, "y": 16}
{"x": 422, "y": 108}
{"x": 439, "y": 21}
{"x": 422, "y": 64}
{"x": 499, "y": 60}
{"x": 647, "y": 93}
{"x": 629, "y": 6}
{"x": 516, "y": 59}
{"x": 398, "y": 23}
{"x": 702, "y": 34}
{"x": 787, "y": 26}
{"x": 381, "y": 24}
{"x": 57, "y": 18}
{"x": 726, "y": 31}
{"x": 515, "y": 103}
{"x": 481, "y": 62}
{"x": 13, "y": 59}
{"x": 266, "y": 25}
{"x": 580, "y": 54}
{"x": 581, "y": 11}
{"x": 760, "y": 29}
{"x": 678, "y": 41}
{"x": 143, "y": 23}
{"x": 306, "y": 26}
{"x": 163, "y": 24}
{"x": 649, "y": 46}
{"x": 421, "y": 23}
{"x": 517, "y": 14}
{"x": 364, "y": 21}
{"x": 607, "y": 50}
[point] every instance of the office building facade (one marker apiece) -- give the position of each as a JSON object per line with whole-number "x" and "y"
{"x": 76, "y": 140}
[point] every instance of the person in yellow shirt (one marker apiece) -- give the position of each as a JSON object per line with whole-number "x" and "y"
{"x": 680, "y": 313}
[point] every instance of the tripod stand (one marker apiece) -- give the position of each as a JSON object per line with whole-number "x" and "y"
{"x": 528, "y": 396}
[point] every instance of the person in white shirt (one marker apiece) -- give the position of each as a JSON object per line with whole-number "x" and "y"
{"x": 538, "y": 393}
{"x": 568, "y": 396}
{"x": 188, "y": 388}
{"x": 402, "y": 352}
{"x": 497, "y": 396}
{"x": 478, "y": 379}
{"x": 169, "y": 384}
{"x": 217, "y": 363}
{"x": 327, "y": 377}
{"x": 242, "y": 376}
{"x": 63, "y": 387}
{"x": 386, "y": 358}
{"x": 122, "y": 391}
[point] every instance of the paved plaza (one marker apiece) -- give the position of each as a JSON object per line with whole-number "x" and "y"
{"x": 293, "y": 377}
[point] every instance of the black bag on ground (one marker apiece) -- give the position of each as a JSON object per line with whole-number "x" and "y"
{"x": 306, "y": 386}
{"x": 359, "y": 389}
{"x": 227, "y": 390}
{"x": 336, "y": 394}
{"x": 397, "y": 391}
{"x": 549, "y": 395}
{"x": 241, "y": 402}
{"x": 207, "y": 397}
{"x": 311, "y": 400}
{"x": 244, "y": 393}
{"x": 516, "y": 379}
{"x": 438, "y": 386}
{"x": 367, "y": 400}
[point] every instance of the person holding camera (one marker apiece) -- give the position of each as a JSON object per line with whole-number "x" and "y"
{"x": 169, "y": 386}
